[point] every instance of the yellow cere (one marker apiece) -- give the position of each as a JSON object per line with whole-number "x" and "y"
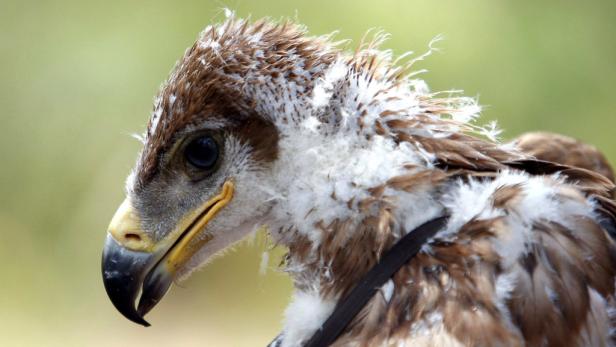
{"x": 125, "y": 227}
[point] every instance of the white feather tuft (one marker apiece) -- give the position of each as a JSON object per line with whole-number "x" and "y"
{"x": 304, "y": 316}
{"x": 388, "y": 290}
{"x": 264, "y": 263}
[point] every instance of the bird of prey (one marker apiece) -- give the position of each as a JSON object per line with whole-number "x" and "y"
{"x": 340, "y": 155}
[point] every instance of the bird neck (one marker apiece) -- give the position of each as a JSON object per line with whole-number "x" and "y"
{"x": 347, "y": 205}
{"x": 341, "y": 237}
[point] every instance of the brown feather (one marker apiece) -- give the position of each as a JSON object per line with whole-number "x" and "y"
{"x": 564, "y": 150}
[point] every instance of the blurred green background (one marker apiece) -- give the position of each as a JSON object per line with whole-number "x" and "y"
{"x": 78, "y": 77}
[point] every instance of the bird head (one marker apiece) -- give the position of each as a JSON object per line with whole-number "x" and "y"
{"x": 205, "y": 175}
{"x": 261, "y": 124}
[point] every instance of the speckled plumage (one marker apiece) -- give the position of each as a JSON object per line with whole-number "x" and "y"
{"x": 340, "y": 154}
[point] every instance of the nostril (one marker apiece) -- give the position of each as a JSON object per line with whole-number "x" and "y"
{"x": 131, "y": 236}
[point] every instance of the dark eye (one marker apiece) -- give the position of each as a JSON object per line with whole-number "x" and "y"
{"x": 202, "y": 152}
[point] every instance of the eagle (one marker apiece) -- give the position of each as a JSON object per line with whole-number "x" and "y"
{"x": 339, "y": 155}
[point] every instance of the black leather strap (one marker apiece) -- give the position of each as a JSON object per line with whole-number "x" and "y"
{"x": 405, "y": 249}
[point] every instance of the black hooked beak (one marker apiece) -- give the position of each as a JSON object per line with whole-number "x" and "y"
{"x": 126, "y": 273}
{"x": 134, "y": 265}
{"x": 123, "y": 274}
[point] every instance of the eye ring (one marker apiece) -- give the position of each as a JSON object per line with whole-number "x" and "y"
{"x": 202, "y": 152}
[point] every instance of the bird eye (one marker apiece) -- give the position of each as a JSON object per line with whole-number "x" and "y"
{"x": 202, "y": 152}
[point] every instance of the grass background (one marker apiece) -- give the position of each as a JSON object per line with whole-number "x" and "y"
{"x": 77, "y": 77}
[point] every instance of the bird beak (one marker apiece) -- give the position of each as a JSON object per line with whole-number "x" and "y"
{"x": 133, "y": 262}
